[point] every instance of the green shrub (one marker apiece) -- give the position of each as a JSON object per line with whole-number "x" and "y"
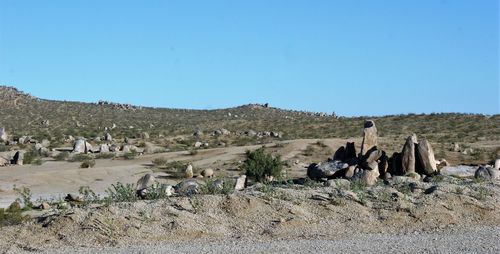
{"x": 260, "y": 165}
{"x": 157, "y": 191}
{"x": 176, "y": 166}
{"x": 88, "y": 164}
{"x": 12, "y": 216}
{"x": 61, "y": 156}
{"x": 209, "y": 188}
{"x": 32, "y": 156}
{"x": 120, "y": 192}
{"x": 131, "y": 155}
{"x": 81, "y": 158}
{"x": 88, "y": 194}
{"x": 25, "y": 196}
{"x": 105, "y": 156}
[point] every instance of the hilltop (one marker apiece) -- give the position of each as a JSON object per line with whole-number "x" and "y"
{"x": 23, "y": 114}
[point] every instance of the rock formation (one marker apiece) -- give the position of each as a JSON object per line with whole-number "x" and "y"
{"x": 370, "y": 137}
{"x": 426, "y": 163}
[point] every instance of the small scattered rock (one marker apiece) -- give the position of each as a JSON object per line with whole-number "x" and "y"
{"x": 208, "y": 173}
{"x": 73, "y": 198}
{"x": 431, "y": 190}
{"x": 187, "y": 188}
{"x": 44, "y": 206}
{"x": 189, "y": 172}
{"x": 240, "y": 183}
{"x": 487, "y": 173}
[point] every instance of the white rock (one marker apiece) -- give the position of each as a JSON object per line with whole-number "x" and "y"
{"x": 240, "y": 183}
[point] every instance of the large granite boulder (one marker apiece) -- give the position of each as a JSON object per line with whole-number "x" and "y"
{"x": 425, "y": 161}
{"x": 370, "y": 137}
{"x": 408, "y": 156}
{"x": 80, "y": 146}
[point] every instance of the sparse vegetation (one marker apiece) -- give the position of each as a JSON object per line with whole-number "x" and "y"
{"x": 120, "y": 192}
{"x": 88, "y": 163}
{"x": 261, "y": 165}
{"x": 12, "y": 216}
{"x": 61, "y": 156}
{"x": 211, "y": 188}
{"x": 130, "y": 155}
{"x": 160, "y": 161}
{"x": 25, "y": 196}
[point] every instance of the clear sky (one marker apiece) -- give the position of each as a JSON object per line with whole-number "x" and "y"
{"x": 353, "y": 57}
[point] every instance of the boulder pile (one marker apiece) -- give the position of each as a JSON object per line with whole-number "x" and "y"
{"x": 415, "y": 159}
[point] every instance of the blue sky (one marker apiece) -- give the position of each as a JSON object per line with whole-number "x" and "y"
{"x": 353, "y": 57}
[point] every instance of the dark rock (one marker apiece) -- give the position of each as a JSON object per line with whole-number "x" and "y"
{"x": 486, "y": 173}
{"x": 339, "y": 154}
{"x": 383, "y": 164}
{"x": 18, "y": 158}
{"x": 395, "y": 167}
{"x": 350, "y": 155}
{"x": 431, "y": 190}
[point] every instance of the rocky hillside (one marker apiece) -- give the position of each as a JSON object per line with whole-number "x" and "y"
{"x": 23, "y": 114}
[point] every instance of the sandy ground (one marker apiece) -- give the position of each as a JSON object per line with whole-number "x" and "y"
{"x": 459, "y": 215}
{"x": 53, "y": 179}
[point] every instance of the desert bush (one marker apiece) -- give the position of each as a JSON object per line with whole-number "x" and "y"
{"x": 80, "y": 158}
{"x": 321, "y": 144}
{"x": 309, "y": 151}
{"x": 120, "y": 192}
{"x": 88, "y": 194}
{"x": 32, "y": 156}
{"x": 160, "y": 161}
{"x": 24, "y": 197}
{"x": 157, "y": 191}
{"x": 105, "y": 156}
{"x": 4, "y": 148}
{"x": 193, "y": 152}
{"x": 61, "y": 156}
{"x": 209, "y": 188}
{"x": 260, "y": 165}
{"x": 12, "y": 216}
{"x": 88, "y": 164}
{"x": 131, "y": 155}
{"x": 176, "y": 166}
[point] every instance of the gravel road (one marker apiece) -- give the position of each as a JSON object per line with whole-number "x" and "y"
{"x": 473, "y": 240}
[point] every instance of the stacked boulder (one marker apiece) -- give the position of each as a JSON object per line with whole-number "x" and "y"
{"x": 372, "y": 163}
